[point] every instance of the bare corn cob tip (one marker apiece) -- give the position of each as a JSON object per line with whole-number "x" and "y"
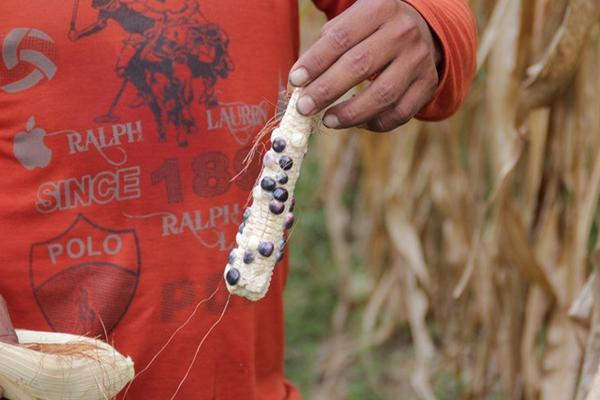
{"x": 260, "y": 241}
{"x": 86, "y": 369}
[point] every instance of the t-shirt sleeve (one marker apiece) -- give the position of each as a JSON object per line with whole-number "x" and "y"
{"x": 454, "y": 25}
{"x": 333, "y": 7}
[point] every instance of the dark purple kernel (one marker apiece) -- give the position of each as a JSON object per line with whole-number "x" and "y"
{"x": 289, "y": 220}
{"x": 268, "y": 183}
{"x": 266, "y": 249}
{"x": 293, "y": 204}
{"x": 233, "y": 276}
{"x": 280, "y": 255}
{"x": 231, "y": 258}
{"x": 286, "y": 163}
{"x": 242, "y": 226}
{"x": 278, "y": 145}
{"x": 281, "y": 243}
{"x": 276, "y": 207}
{"x": 280, "y": 194}
{"x": 248, "y": 257}
{"x": 246, "y": 214}
{"x": 282, "y": 178}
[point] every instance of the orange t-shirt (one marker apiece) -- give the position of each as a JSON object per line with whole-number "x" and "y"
{"x": 122, "y": 124}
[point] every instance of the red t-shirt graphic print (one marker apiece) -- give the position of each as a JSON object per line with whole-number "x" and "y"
{"x": 122, "y": 126}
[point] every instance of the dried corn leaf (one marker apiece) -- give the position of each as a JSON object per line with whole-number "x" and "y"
{"x": 554, "y": 71}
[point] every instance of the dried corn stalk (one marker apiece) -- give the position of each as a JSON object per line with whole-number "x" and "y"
{"x": 490, "y": 217}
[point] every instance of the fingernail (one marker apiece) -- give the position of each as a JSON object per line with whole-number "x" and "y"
{"x": 306, "y": 105}
{"x": 299, "y": 76}
{"x": 331, "y": 121}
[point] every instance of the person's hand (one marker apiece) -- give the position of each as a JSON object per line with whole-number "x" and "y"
{"x": 384, "y": 37}
{"x": 7, "y": 332}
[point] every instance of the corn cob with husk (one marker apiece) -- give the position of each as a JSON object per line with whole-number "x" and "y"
{"x": 53, "y": 366}
{"x": 260, "y": 240}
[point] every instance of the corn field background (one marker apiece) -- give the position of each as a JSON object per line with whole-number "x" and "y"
{"x": 456, "y": 260}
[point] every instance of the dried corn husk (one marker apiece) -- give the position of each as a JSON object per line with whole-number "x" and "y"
{"x": 78, "y": 368}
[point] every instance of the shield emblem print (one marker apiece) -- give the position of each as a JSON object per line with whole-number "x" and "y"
{"x": 85, "y": 278}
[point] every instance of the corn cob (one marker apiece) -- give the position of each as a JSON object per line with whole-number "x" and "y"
{"x": 91, "y": 370}
{"x": 260, "y": 240}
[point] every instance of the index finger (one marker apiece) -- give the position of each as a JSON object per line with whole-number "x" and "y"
{"x": 337, "y": 37}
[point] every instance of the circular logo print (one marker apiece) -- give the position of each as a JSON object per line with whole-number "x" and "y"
{"x": 25, "y": 54}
